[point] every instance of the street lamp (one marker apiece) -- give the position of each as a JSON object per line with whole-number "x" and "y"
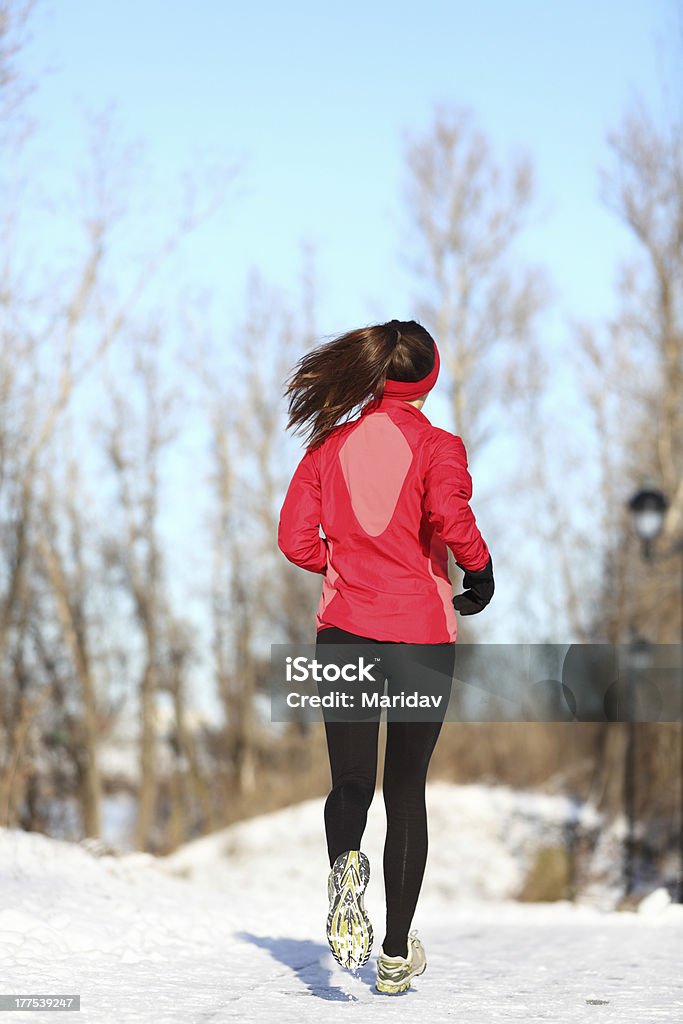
{"x": 648, "y": 507}
{"x": 639, "y": 660}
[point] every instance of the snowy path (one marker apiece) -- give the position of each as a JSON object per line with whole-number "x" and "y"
{"x": 242, "y": 937}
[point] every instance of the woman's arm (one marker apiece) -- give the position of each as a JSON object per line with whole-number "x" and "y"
{"x": 298, "y": 536}
{"x": 448, "y": 489}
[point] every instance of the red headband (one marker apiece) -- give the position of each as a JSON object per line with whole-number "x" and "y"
{"x": 409, "y": 389}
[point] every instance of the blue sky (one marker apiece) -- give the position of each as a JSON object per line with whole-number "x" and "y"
{"x": 316, "y": 102}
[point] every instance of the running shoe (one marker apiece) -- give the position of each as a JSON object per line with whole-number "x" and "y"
{"x": 349, "y": 931}
{"x": 394, "y": 973}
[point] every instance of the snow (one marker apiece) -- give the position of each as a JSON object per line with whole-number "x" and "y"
{"x": 231, "y": 926}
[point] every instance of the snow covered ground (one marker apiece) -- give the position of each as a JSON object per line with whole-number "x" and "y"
{"x": 231, "y": 927}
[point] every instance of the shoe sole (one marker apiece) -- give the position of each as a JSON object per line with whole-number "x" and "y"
{"x": 349, "y": 932}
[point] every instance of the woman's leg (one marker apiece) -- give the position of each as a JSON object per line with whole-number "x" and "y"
{"x": 352, "y": 749}
{"x": 409, "y": 748}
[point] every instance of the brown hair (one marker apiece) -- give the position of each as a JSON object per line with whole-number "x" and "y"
{"x": 330, "y": 382}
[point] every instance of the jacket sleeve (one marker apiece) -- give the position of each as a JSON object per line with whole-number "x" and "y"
{"x": 448, "y": 489}
{"x": 298, "y": 536}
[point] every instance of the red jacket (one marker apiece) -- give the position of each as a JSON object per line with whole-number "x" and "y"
{"x": 391, "y": 493}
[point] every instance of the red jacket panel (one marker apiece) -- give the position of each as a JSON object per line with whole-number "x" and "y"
{"x": 391, "y": 493}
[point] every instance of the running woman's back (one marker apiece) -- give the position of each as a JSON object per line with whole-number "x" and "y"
{"x": 391, "y": 492}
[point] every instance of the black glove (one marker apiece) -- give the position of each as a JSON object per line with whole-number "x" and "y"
{"x": 480, "y": 589}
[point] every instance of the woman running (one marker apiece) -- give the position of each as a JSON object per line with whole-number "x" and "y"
{"x": 373, "y": 506}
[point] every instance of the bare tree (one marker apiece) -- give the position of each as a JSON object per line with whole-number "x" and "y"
{"x": 59, "y": 320}
{"x": 192, "y": 807}
{"x": 647, "y": 194}
{"x": 135, "y": 441}
{"x": 256, "y": 598}
{"x": 466, "y": 216}
{"x": 14, "y": 88}
{"x": 70, "y": 580}
{"x": 631, "y": 370}
{"x": 467, "y": 213}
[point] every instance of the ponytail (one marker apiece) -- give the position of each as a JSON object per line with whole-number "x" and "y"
{"x": 339, "y": 376}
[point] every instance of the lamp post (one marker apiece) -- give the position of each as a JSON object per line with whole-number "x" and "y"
{"x": 648, "y": 507}
{"x": 639, "y": 660}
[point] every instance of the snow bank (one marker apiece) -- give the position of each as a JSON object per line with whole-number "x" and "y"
{"x": 231, "y": 927}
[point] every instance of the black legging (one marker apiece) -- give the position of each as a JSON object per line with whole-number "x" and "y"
{"x": 352, "y": 747}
